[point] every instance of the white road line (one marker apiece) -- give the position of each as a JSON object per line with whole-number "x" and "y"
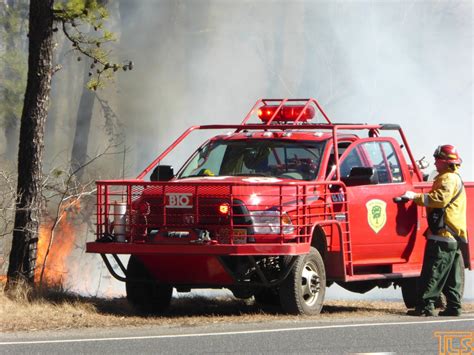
{"x": 242, "y": 332}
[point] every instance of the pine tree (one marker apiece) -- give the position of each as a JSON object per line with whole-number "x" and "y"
{"x": 44, "y": 15}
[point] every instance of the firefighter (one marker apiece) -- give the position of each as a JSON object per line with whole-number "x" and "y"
{"x": 442, "y": 262}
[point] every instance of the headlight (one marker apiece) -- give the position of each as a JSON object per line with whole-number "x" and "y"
{"x": 268, "y": 222}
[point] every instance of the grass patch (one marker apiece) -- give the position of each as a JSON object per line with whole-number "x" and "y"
{"x": 55, "y": 309}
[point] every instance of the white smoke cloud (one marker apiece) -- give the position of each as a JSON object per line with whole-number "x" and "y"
{"x": 202, "y": 62}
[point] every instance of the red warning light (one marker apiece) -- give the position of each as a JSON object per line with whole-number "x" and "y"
{"x": 286, "y": 113}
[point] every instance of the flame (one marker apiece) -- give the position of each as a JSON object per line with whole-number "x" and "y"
{"x": 56, "y": 269}
{"x": 67, "y": 264}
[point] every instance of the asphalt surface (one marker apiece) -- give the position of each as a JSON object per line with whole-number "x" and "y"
{"x": 392, "y": 334}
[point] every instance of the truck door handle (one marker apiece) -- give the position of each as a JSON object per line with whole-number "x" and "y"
{"x": 400, "y": 199}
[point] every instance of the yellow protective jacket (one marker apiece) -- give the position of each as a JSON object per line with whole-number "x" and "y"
{"x": 445, "y": 186}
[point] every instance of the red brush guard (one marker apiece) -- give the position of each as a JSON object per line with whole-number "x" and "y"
{"x": 211, "y": 217}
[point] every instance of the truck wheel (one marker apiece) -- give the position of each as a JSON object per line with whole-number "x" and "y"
{"x": 302, "y": 292}
{"x": 146, "y": 296}
{"x": 267, "y": 297}
{"x": 410, "y": 291}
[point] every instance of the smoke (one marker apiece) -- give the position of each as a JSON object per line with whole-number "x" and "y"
{"x": 203, "y": 62}
{"x": 208, "y": 61}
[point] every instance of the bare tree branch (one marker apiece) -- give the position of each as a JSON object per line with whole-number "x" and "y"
{"x": 68, "y": 200}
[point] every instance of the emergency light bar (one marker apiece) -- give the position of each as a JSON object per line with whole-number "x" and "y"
{"x": 286, "y": 113}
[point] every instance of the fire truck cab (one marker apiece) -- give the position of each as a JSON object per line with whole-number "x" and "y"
{"x": 278, "y": 210}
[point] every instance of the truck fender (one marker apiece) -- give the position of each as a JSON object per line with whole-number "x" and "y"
{"x": 319, "y": 239}
{"x": 320, "y": 232}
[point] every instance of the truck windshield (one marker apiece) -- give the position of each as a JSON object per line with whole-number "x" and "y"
{"x": 299, "y": 160}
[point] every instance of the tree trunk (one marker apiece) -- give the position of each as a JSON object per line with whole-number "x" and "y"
{"x": 25, "y": 235}
{"x": 83, "y": 126}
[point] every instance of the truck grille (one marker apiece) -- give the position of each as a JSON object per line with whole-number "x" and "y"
{"x": 204, "y": 212}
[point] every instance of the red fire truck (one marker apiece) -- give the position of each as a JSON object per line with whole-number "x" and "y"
{"x": 277, "y": 207}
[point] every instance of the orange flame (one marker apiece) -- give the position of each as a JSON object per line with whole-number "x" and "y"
{"x": 56, "y": 269}
{"x": 67, "y": 265}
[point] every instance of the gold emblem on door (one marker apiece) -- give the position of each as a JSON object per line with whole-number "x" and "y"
{"x": 376, "y": 214}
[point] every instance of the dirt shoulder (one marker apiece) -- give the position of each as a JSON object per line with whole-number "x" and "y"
{"x": 59, "y": 310}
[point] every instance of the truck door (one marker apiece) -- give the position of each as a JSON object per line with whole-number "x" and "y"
{"x": 382, "y": 232}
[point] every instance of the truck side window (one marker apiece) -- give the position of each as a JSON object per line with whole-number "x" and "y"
{"x": 384, "y": 161}
{"x": 352, "y": 160}
{"x": 393, "y": 163}
{"x": 377, "y": 161}
{"x": 378, "y": 155}
{"x": 341, "y": 148}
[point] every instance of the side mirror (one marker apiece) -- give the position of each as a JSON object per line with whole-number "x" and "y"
{"x": 162, "y": 173}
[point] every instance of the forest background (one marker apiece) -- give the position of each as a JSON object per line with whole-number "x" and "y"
{"x": 203, "y": 61}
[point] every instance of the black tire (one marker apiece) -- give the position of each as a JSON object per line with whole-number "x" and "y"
{"x": 144, "y": 295}
{"x": 302, "y": 292}
{"x": 267, "y": 297}
{"x": 410, "y": 291}
{"x": 410, "y": 295}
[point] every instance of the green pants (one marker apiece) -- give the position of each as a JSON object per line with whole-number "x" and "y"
{"x": 441, "y": 272}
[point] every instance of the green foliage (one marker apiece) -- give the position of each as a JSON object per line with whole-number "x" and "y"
{"x": 14, "y": 21}
{"x": 82, "y": 22}
{"x": 74, "y": 9}
{"x": 13, "y": 82}
{"x": 13, "y": 61}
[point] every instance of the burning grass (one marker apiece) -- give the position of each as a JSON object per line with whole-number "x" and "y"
{"x": 54, "y": 309}
{"x": 56, "y": 255}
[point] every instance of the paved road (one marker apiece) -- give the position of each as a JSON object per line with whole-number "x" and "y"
{"x": 392, "y": 334}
